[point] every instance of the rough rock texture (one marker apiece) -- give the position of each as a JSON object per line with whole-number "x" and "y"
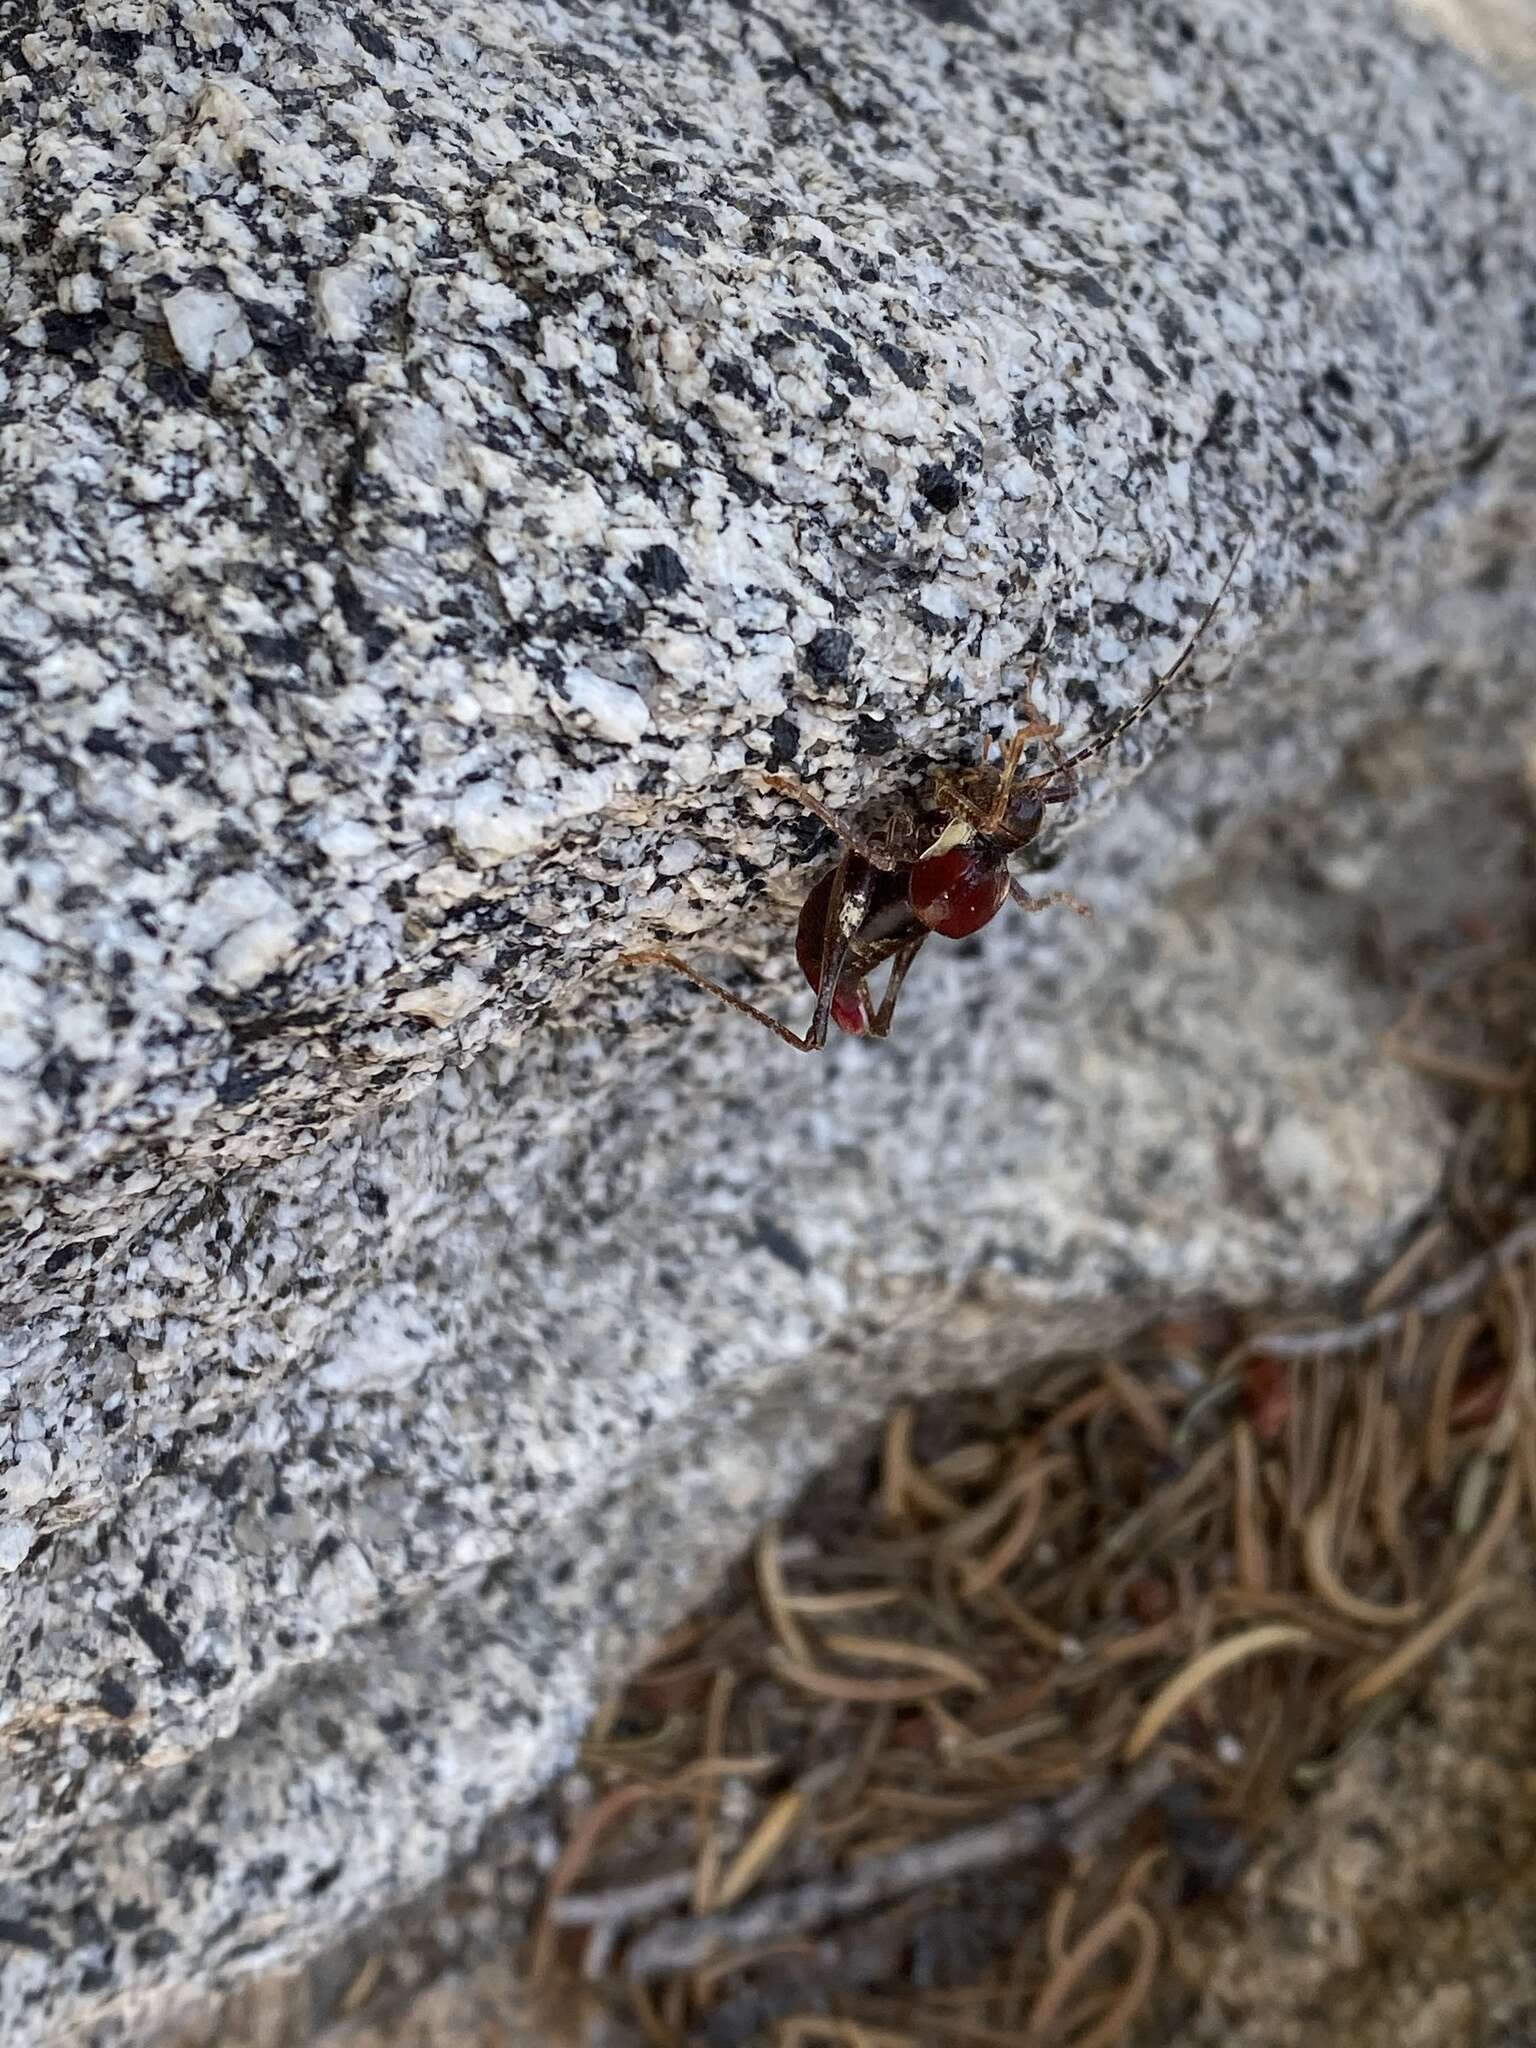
{"x": 1501, "y": 32}
{"x": 1398, "y": 1910}
{"x": 443, "y": 447}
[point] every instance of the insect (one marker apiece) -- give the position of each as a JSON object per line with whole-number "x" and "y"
{"x": 937, "y": 866}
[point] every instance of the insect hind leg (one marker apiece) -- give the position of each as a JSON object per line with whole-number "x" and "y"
{"x": 658, "y": 956}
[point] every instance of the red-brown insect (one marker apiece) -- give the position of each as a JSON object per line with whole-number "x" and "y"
{"x": 938, "y": 865}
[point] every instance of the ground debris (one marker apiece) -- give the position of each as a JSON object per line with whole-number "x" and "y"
{"x": 957, "y": 1758}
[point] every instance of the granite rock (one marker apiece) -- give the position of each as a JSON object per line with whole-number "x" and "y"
{"x": 445, "y": 452}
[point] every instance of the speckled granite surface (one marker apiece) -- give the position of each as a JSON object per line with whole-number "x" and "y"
{"x": 440, "y": 450}
{"x": 446, "y": 447}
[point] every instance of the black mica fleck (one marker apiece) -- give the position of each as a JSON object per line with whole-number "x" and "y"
{"x": 874, "y": 735}
{"x": 1087, "y": 287}
{"x": 22, "y": 1934}
{"x": 156, "y": 1633}
{"x": 940, "y": 486}
{"x": 907, "y": 365}
{"x": 185, "y": 1854}
{"x": 115, "y": 1698}
{"x": 1219, "y": 431}
{"x": 659, "y": 571}
{"x": 779, "y": 1244}
{"x": 67, "y": 334}
{"x": 785, "y": 736}
{"x": 120, "y": 46}
{"x": 828, "y": 655}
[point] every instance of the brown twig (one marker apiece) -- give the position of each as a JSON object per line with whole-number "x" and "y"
{"x": 1438, "y": 1300}
{"x": 688, "y": 1944}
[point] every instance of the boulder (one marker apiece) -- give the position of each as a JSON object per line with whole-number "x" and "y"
{"x": 449, "y": 453}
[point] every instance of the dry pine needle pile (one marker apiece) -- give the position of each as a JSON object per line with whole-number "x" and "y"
{"x": 952, "y": 1761}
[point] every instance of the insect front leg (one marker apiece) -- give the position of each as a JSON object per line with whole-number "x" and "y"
{"x": 1014, "y": 748}
{"x": 879, "y": 853}
{"x": 1059, "y": 784}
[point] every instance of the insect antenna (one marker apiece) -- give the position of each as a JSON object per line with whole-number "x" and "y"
{"x": 1107, "y": 739}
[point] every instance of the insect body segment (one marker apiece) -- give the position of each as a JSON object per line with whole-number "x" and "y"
{"x": 956, "y": 893}
{"x": 873, "y": 924}
{"x": 938, "y": 867}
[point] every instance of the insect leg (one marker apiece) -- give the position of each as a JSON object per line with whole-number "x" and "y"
{"x": 1027, "y": 902}
{"x": 1013, "y": 753}
{"x": 878, "y": 855}
{"x": 1107, "y": 739}
{"x": 1059, "y": 784}
{"x": 847, "y": 908}
{"x": 880, "y": 1023}
{"x": 658, "y": 956}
